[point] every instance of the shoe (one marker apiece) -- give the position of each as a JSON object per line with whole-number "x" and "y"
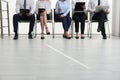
{"x": 42, "y": 36}
{"x": 82, "y": 37}
{"x": 48, "y": 33}
{"x": 15, "y": 37}
{"x": 77, "y": 37}
{"x": 99, "y": 29}
{"x": 67, "y": 37}
{"x": 104, "y": 37}
{"x": 30, "y": 36}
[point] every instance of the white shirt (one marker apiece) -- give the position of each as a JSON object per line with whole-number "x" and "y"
{"x": 74, "y": 2}
{"x": 43, "y": 4}
{"x": 93, "y": 3}
{"x": 29, "y": 5}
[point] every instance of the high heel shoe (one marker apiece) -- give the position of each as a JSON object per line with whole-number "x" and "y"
{"x": 47, "y": 31}
{"x": 42, "y": 36}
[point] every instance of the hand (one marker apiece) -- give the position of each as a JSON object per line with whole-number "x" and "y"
{"x": 28, "y": 14}
{"x": 61, "y": 16}
{"x": 107, "y": 12}
{"x": 59, "y": 10}
{"x": 20, "y": 14}
{"x": 84, "y": 7}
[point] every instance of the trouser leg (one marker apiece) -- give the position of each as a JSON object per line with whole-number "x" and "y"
{"x": 16, "y": 18}
{"x": 32, "y": 22}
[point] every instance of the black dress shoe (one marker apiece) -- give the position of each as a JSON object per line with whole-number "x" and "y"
{"x": 30, "y": 36}
{"x": 15, "y": 37}
{"x": 99, "y": 29}
{"x": 104, "y": 37}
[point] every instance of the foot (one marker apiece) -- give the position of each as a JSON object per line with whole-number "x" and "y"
{"x": 47, "y": 31}
{"x": 77, "y": 36}
{"x": 30, "y": 36}
{"x": 42, "y": 36}
{"x": 82, "y": 36}
{"x": 66, "y": 36}
{"x": 15, "y": 37}
{"x": 104, "y": 37}
{"x": 99, "y": 29}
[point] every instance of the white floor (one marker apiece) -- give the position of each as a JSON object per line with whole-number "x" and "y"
{"x": 59, "y": 59}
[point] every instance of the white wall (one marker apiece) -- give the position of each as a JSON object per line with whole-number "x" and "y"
{"x": 23, "y": 27}
{"x": 116, "y": 18}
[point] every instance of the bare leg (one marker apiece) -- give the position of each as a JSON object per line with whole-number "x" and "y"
{"x": 45, "y": 22}
{"x": 42, "y": 26}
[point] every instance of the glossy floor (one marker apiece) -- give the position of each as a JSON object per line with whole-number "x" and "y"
{"x": 59, "y": 58}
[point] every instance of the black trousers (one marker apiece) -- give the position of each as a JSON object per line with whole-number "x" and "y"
{"x": 79, "y": 17}
{"x": 17, "y": 18}
{"x": 100, "y": 17}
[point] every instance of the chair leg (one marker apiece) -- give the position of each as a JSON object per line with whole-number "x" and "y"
{"x": 53, "y": 29}
{"x": 72, "y": 29}
{"x": 90, "y": 29}
{"x": 35, "y": 29}
{"x": 108, "y": 30}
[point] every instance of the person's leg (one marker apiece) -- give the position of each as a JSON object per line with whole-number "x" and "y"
{"x": 65, "y": 27}
{"x": 102, "y": 24}
{"x": 32, "y": 22}
{"x": 31, "y": 25}
{"x": 42, "y": 26}
{"x": 45, "y": 22}
{"x": 82, "y": 20}
{"x": 77, "y": 19}
{"x": 100, "y": 17}
{"x": 16, "y": 18}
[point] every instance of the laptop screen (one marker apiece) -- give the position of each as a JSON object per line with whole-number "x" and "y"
{"x": 78, "y": 6}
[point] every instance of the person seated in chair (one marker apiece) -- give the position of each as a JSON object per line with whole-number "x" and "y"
{"x": 62, "y": 10}
{"x": 25, "y": 11}
{"x": 43, "y": 8}
{"x": 99, "y": 16}
{"x": 79, "y": 17}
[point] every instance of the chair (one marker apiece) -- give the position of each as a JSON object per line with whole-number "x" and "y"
{"x": 56, "y": 21}
{"x": 94, "y": 21}
{"x": 4, "y": 16}
{"x": 49, "y": 20}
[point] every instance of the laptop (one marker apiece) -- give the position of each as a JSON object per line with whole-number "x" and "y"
{"x": 101, "y": 8}
{"x": 40, "y": 10}
{"x": 78, "y": 6}
{"x": 24, "y": 11}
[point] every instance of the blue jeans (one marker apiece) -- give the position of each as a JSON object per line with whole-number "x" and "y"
{"x": 66, "y": 21}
